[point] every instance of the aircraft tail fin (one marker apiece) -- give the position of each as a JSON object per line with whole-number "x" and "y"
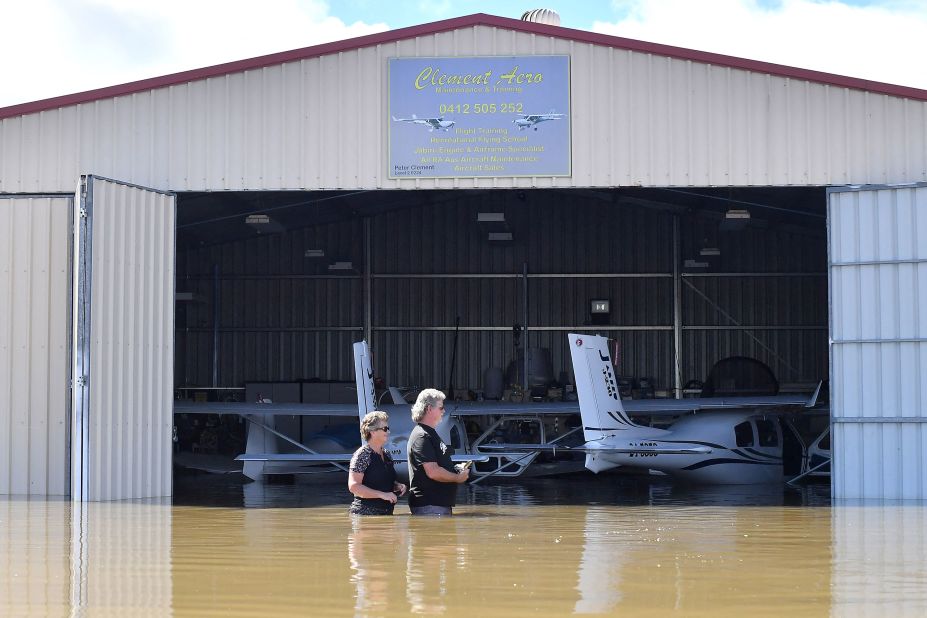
{"x": 599, "y": 401}
{"x": 363, "y": 378}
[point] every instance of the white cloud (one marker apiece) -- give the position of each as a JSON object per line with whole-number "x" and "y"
{"x": 884, "y": 42}
{"x": 55, "y": 47}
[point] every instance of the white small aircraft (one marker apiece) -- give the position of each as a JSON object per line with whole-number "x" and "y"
{"x": 730, "y": 441}
{"x": 432, "y": 123}
{"x": 529, "y": 121}
{"x": 716, "y": 440}
{"x": 262, "y": 456}
{"x": 733, "y": 442}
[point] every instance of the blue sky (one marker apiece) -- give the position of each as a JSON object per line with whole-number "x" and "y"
{"x": 578, "y": 14}
{"x": 581, "y": 14}
{"x": 56, "y": 47}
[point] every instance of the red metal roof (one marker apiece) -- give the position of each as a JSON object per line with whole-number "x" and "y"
{"x": 477, "y": 19}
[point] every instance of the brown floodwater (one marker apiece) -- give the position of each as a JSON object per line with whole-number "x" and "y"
{"x": 578, "y": 545}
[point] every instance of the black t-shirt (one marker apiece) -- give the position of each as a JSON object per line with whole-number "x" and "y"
{"x": 426, "y": 445}
{"x": 379, "y": 474}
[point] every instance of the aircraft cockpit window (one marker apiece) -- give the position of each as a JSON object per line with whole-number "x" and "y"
{"x": 766, "y": 432}
{"x": 455, "y": 439}
{"x": 744, "y": 434}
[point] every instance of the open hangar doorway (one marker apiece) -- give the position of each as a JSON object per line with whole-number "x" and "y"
{"x": 274, "y": 287}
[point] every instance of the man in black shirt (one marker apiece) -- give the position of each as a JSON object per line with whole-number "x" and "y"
{"x": 433, "y": 478}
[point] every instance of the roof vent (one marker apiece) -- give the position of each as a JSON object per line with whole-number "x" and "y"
{"x": 542, "y": 16}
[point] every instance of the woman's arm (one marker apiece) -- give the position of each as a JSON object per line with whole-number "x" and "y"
{"x": 356, "y": 486}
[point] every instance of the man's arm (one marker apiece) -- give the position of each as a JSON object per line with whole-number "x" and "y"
{"x": 439, "y": 474}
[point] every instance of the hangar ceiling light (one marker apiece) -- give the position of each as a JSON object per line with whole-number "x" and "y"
{"x": 262, "y": 224}
{"x": 735, "y": 219}
{"x": 490, "y": 217}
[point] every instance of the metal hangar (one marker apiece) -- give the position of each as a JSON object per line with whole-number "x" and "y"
{"x": 249, "y": 221}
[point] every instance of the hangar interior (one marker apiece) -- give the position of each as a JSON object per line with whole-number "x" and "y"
{"x": 276, "y": 286}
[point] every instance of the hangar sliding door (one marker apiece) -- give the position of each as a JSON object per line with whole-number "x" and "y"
{"x": 877, "y": 263}
{"x": 35, "y": 232}
{"x": 123, "y": 341}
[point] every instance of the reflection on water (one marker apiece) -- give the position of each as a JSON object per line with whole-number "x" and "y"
{"x": 569, "y": 546}
{"x": 880, "y": 555}
{"x": 59, "y": 560}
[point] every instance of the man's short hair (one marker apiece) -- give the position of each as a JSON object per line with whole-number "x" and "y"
{"x": 428, "y": 397}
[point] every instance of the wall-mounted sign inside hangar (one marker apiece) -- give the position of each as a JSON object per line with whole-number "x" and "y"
{"x": 479, "y": 116}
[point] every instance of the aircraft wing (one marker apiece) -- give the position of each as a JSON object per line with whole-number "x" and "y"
{"x": 267, "y": 409}
{"x": 651, "y": 407}
{"x": 334, "y": 457}
{"x": 505, "y": 408}
{"x": 669, "y": 407}
{"x": 303, "y": 457}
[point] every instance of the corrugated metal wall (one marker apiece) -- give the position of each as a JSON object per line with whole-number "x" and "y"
{"x": 286, "y": 320}
{"x": 131, "y": 354}
{"x": 280, "y": 316}
{"x": 34, "y": 345}
{"x": 638, "y": 120}
{"x": 878, "y": 324}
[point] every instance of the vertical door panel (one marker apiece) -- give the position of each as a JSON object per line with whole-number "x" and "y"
{"x": 124, "y": 342}
{"x": 877, "y": 262}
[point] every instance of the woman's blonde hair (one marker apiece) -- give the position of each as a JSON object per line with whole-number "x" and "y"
{"x": 370, "y": 420}
{"x": 428, "y": 397}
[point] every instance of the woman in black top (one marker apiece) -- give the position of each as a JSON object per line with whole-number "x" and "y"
{"x": 371, "y": 475}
